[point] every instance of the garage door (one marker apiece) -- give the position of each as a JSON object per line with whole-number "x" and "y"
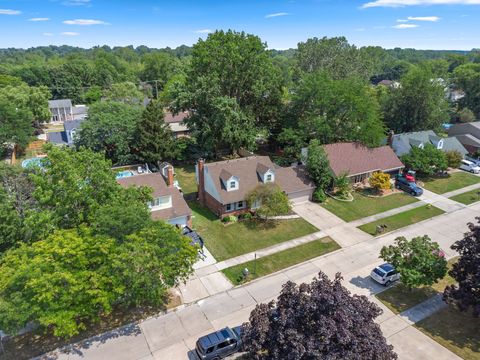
{"x": 300, "y": 197}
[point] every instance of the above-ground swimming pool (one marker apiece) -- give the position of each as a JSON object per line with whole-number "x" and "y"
{"x": 124, "y": 174}
{"x": 32, "y": 162}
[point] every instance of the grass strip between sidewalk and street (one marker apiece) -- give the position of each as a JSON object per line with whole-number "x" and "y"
{"x": 281, "y": 260}
{"x": 402, "y": 219}
{"x": 399, "y": 298}
{"x": 468, "y": 197}
{"x": 455, "y": 181}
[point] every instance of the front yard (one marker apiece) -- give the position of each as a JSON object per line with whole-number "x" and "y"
{"x": 454, "y": 181}
{"x": 468, "y": 197}
{"x": 363, "y": 206}
{"x": 403, "y": 219}
{"x": 457, "y": 331}
{"x": 228, "y": 241}
{"x": 281, "y": 260}
{"x": 398, "y": 298}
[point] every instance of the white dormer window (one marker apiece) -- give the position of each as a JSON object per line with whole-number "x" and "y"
{"x": 268, "y": 177}
{"x": 440, "y": 144}
{"x": 421, "y": 146}
{"x": 233, "y": 184}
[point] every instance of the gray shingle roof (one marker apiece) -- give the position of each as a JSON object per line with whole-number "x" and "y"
{"x": 72, "y": 124}
{"x": 59, "y": 138}
{"x": 402, "y": 143}
{"x": 62, "y": 103}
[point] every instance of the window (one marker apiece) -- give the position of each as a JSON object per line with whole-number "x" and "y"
{"x": 229, "y": 207}
{"x": 223, "y": 344}
{"x": 240, "y": 205}
{"x": 269, "y": 177}
{"x": 209, "y": 350}
{"x": 233, "y": 184}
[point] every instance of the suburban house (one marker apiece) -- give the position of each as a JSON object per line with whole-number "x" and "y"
{"x": 468, "y": 134}
{"x": 176, "y": 124}
{"x": 67, "y": 136}
{"x": 224, "y": 185}
{"x": 359, "y": 162}
{"x": 63, "y": 110}
{"x": 168, "y": 203}
{"x": 403, "y": 143}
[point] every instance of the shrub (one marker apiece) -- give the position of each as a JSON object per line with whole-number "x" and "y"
{"x": 247, "y": 216}
{"x": 380, "y": 181}
{"x": 454, "y": 158}
{"x": 319, "y": 195}
{"x": 230, "y": 219}
{"x": 342, "y": 186}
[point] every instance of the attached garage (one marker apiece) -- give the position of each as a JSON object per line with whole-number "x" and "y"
{"x": 300, "y": 196}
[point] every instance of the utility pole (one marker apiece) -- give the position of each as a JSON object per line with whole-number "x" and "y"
{"x": 156, "y": 89}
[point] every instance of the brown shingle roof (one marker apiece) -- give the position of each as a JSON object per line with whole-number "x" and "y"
{"x": 246, "y": 170}
{"x": 156, "y": 182}
{"x": 170, "y": 118}
{"x": 355, "y": 158}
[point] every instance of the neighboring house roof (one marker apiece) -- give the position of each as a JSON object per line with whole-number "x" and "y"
{"x": 248, "y": 170}
{"x": 402, "y": 143}
{"x": 80, "y": 110}
{"x": 472, "y": 128}
{"x": 355, "y": 158}
{"x": 157, "y": 183}
{"x": 62, "y": 103}
{"x": 170, "y": 118}
{"x": 468, "y": 139}
{"x": 72, "y": 124}
{"x": 58, "y": 138}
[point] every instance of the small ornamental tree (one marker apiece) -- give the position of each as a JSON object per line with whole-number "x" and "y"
{"x": 342, "y": 186}
{"x": 269, "y": 200}
{"x": 419, "y": 261}
{"x": 454, "y": 158}
{"x": 466, "y": 271}
{"x": 380, "y": 181}
{"x": 320, "y": 320}
{"x": 427, "y": 161}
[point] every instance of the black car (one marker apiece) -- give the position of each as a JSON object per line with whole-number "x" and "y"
{"x": 408, "y": 186}
{"x": 220, "y": 344}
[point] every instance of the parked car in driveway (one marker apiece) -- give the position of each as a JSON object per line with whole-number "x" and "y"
{"x": 470, "y": 166}
{"x": 408, "y": 186}
{"x": 219, "y": 344}
{"x": 385, "y": 274}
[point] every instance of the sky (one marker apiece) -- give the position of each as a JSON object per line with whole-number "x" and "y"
{"x": 282, "y": 24}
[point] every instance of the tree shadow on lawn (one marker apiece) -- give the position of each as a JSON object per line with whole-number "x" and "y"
{"x": 368, "y": 283}
{"x": 258, "y": 224}
{"x": 458, "y": 328}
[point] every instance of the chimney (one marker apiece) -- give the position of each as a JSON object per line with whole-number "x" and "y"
{"x": 201, "y": 181}
{"x": 170, "y": 176}
{"x": 390, "y": 138}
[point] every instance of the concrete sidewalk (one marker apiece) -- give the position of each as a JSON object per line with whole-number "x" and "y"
{"x": 462, "y": 190}
{"x": 386, "y": 214}
{"x": 440, "y": 201}
{"x": 423, "y": 310}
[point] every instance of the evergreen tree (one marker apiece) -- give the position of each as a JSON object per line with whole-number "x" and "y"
{"x": 155, "y": 141}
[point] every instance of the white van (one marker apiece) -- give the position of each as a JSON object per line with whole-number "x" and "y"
{"x": 470, "y": 166}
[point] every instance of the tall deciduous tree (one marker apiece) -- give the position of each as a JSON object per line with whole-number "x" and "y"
{"x": 320, "y": 320}
{"x": 428, "y": 160}
{"x": 467, "y": 78}
{"x": 110, "y": 127}
{"x": 232, "y": 89}
{"x": 15, "y": 125}
{"x": 154, "y": 138}
{"x": 419, "y": 261}
{"x": 159, "y": 67}
{"x": 335, "y": 110}
{"x": 318, "y": 166}
{"x": 466, "y": 271}
{"x": 417, "y": 104}
{"x": 125, "y": 92}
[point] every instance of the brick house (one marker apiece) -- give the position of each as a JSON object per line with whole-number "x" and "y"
{"x": 223, "y": 186}
{"x": 175, "y": 122}
{"x": 168, "y": 203}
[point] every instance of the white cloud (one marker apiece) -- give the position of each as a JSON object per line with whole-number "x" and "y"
{"x": 405, "y": 26}
{"x": 203, "y": 31}
{"x": 76, "y": 2}
{"x": 424, "y": 18}
{"x": 9, "y": 12}
{"x": 276, "y": 15}
{"x": 70, "y": 33}
{"x": 39, "y": 19}
{"x": 47, "y": 34}
{"x": 402, "y": 20}
{"x": 403, "y": 3}
{"x": 85, "y": 22}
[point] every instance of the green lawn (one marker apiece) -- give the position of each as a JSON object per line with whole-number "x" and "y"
{"x": 398, "y": 298}
{"x": 185, "y": 175}
{"x": 363, "y": 206}
{"x": 457, "y": 331}
{"x": 453, "y": 182}
{"x": 468, "y": 197}
{"x": 403, "y": 219}
{"x": 281, "y": 260}
{"x": 228, "y": 241}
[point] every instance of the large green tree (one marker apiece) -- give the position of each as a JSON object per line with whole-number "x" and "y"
{"x": 154, "y": 139}
{"x": 110, "y": 127}
{"x": 125, "y": 92}
{"x": 467, "y": 78}
{"x": 419, "y": 261}
{"x": 419, "y": 103}
{"x": 232, "y": 89}
{"x": 159, "y": 67}
{"x": 335, "y": 110}
{"x": 269, "y": 200}
{"x": 427, "y": 160}
{"x": 15, "y": 125}
{"x": 318, "y": 166}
